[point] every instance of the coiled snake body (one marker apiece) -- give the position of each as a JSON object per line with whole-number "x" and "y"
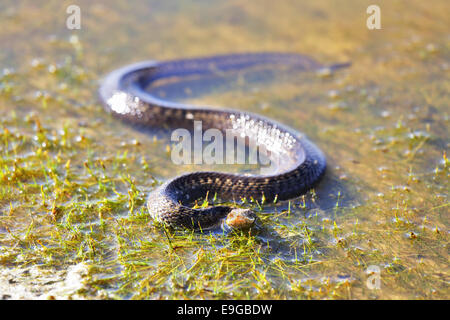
{"x": 300, "y": 163}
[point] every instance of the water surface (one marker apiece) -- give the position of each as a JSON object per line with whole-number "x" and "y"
{"x": 74, "y": 180}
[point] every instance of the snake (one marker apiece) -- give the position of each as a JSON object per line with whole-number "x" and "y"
{"x": 125, "y": 94}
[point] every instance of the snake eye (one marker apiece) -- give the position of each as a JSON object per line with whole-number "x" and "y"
{"x": 240, "y": 218}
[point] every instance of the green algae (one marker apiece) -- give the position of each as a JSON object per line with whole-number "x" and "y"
{"x": 74, "y": 181}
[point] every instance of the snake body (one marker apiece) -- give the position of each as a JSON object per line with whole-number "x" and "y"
{"x": 301, "y": 164}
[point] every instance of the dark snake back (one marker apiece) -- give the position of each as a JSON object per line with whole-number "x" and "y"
{"x": 300, "y": 164}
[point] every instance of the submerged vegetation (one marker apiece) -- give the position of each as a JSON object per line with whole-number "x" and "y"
{"x": 74, "y": 181}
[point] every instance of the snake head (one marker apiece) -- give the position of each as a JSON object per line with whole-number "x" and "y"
{"x": 240, "y": 219}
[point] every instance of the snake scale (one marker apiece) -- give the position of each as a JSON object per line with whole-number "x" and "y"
{"x": 300, "y": 163}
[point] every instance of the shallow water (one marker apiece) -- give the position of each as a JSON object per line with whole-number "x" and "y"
{"x": 74, "y": 180}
